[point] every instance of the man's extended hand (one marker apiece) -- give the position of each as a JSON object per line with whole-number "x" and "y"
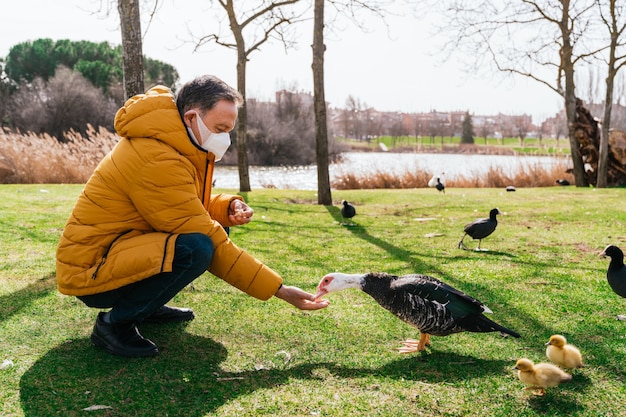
{"x": 299, "y": 298}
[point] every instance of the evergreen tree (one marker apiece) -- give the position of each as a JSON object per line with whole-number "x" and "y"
{"x": 100, "y": 63}
{"x": 467, "y": 136}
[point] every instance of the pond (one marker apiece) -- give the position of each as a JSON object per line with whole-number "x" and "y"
{"x": 363, "y": 163}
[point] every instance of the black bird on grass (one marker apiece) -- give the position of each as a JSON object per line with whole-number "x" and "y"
{"x": 616, "y": 274}
{"x": 481, "y": 228}
{"x": 439, "y": 186}
{"x": 347, "y": 211}
{"x": 435, "y": 182}
{"x": 432, "y": 306}
{"x": 562, "y": 182}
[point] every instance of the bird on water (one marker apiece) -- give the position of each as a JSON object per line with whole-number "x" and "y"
{"x": 616, "y": 274}
{"x": 481, "y": 228}
{"x": 430, "y": 305}
{"x": 347, "y": 212}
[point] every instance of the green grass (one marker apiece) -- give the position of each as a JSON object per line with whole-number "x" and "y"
{"x": 243, "y": 357}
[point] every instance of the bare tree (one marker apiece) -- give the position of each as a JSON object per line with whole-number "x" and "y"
{"x": 614, "y": 18}
{"x": 523, "y": 37}
{"x": 353, "y": 115}
{"x": 265, "y": 20}
{"x": 521, "y": 126}
{"x": 319, "y": 103}
{"x": 132, "y": 47}
{"x": 506, "y": 127}
{"x": 560, "y": 126}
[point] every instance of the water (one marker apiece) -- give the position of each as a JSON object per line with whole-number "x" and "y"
{"x": 363, "y": 163}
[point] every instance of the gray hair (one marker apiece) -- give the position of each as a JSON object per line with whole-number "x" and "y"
{"x": 204, "y": 92}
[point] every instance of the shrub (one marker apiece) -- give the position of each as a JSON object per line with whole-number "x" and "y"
{"x": 65, "y": 102}
{"x": 282, "y": 133}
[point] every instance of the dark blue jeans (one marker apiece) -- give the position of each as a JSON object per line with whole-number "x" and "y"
{"x": 136, "y": 301}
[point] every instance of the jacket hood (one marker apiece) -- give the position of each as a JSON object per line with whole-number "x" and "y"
{"x": 155, "y": 115}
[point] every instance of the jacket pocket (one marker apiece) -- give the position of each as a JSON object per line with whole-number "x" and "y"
{"x": 106, "y": 253}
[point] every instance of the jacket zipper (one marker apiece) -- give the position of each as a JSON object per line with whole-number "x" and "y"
{"x": 106, "y": 253}
{"x": 165, "y": 251}
{"x": 208, "y": 177}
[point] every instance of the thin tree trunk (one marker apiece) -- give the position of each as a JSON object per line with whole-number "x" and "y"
{"x": 567, "y": 66}
{"x": 132, "y": 48}
{"x": 603, "y": 152}
{"x": 242, "y": 126}
{"x": 242, "y": 119}
{"x": 321, "y": 129}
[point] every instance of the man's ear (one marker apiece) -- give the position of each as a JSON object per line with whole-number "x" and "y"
{"x": 188, "y": 117}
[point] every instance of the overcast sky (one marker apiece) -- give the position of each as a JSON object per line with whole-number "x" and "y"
{"x": 391, "y": 69}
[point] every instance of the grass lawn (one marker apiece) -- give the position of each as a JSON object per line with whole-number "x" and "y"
{"x": 541, "y": 275}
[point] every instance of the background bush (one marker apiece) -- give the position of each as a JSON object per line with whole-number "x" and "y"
{"x": 66, "y": 102}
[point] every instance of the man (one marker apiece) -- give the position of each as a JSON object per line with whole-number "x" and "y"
{"x": 146, "y": 223}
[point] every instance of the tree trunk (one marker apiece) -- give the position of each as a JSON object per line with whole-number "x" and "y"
{"x": 242, "y": 119}
{"x": 242, "y": 125}
{"x": 603, "y": 151}
{"x": 567, "y": 66}
{"x": 130, "y": 24}
{"x": 321, "y": 129}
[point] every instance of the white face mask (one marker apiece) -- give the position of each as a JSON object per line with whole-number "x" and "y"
{"x": 216, "y": 143}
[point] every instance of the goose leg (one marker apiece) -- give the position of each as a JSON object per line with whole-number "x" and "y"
{"x": 412, "y": 345}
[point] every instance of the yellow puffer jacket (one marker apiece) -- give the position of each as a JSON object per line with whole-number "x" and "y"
{"x": 154, "y": 185}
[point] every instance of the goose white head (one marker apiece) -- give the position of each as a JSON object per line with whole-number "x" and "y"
{"x": 338, "y": 281}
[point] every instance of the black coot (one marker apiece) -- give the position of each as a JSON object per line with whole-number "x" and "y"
{"x": 481, "y": 228}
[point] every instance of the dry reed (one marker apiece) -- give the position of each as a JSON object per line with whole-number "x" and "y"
{"x": 38, "y": 159}
{"x": 530, "y": 175}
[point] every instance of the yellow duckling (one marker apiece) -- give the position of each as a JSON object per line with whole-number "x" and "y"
{"x": 562, "y": 354}
{"x": 540, "y": 376}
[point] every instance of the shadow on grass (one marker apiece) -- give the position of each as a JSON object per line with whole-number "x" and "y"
{"x": 186, "y": 378}
{"x": 528, "y": 326}
{"x": 433, "y": 367}
{"x": 14, "y": 302}
{"x": 560, "y": 398}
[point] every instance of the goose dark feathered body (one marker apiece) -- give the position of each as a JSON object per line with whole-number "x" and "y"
{"x": 616, "y": 274}
{"x": 432, "y": 306}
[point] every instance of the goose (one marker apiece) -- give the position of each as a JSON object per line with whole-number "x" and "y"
{"x": 430, "y": 305}
{"x": 348, "y": 211}
{"x": 481, "y": 228}
{"x": 616, "y": 274}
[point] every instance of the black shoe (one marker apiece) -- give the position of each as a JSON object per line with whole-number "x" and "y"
{"x": 168, "y": 314}
{"x": 122, "y": 339}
